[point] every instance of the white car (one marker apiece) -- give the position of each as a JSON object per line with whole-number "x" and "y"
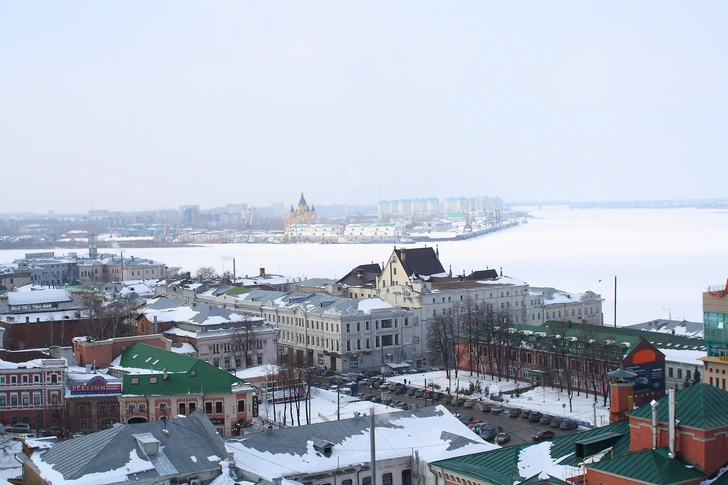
{"x": 18, "y": 428}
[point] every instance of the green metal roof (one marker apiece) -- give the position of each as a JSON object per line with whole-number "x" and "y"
{"x": 184, "y": 375}
{"x": 500, "y": 467}
{"x": 650, "y": 466}
{"x": 695, "y": 406}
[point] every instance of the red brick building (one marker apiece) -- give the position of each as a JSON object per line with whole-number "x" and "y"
{"x": 32, "y": 389}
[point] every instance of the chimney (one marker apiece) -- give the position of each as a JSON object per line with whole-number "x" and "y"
{"x": 54, "y": 351}
{"x": 269, "y": 430}
{"x": 262, "y": 271}
{"x": 671, "y": 417}
{"x": 654, "y": 405}
{"x": 622, "y": 389}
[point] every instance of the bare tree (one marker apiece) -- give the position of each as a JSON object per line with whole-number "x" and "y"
{"x": 243, "y": 342}
{"x": 206, "y": 273}
{"x": 102, "y": 320}
{"x": 440, "y": 341}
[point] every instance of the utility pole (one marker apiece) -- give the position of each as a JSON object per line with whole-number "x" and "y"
{"x": 615, "y": 301}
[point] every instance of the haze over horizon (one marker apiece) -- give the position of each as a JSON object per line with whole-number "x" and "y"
{"x": 144, "y": 106}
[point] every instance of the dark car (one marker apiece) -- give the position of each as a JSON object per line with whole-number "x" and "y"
{"x": 514, "y": 412}
{"x": 568, "y": 424}
{"x": 488, "y": 432}
{"x": 545, "y": 419}
{"x": 525, "y": 414}
{"x": 544, "y": 434}
{"x": 535, "y": 417}
{"x": 438, "y": 396}
{"x": 448, "y": 399}
{"x": 334, "y": 380}
{"x": 459, "y": 401}
{"x": 386, "y": 402}
{"x": 376, "y": 400}
{"x": 556, "y": 422}
{"x": 400, "y": 390}
{"x": 401, "y": 405}
{"x": 466, "y": 419}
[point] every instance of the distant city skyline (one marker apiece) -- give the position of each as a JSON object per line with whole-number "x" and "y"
{"x": 129, "y": 107}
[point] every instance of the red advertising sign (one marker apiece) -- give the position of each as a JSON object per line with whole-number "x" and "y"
{"x": 97, "y": 385}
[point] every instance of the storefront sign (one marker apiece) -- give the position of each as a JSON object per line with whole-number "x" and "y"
{"x": 97, "y": 385}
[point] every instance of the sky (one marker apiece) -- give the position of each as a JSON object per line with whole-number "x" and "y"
{"x": 145, "y": 105}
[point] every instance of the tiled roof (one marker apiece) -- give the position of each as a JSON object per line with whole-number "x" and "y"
{"x": 368, "y": 272}
{"x": 696, "y": 407}
{"x": 649, "y": 466}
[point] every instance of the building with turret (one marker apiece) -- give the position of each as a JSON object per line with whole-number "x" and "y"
{"x": 303, "y": 214}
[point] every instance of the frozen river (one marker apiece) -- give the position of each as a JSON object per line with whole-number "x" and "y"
{"x": 663, "y": 258}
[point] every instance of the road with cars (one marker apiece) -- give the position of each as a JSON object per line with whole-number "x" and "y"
{"x": 521, "y": 430}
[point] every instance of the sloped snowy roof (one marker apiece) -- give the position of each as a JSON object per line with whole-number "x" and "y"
{"x": 38, "y": 297}
{"x": 433, "y": 432}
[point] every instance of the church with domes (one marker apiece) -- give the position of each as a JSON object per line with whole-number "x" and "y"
{"x": 301, "y": 214}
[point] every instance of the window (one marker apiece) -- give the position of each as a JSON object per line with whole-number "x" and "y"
{"x": 25, "y": 379}
{"x": 3, "y": 400}
{"x": 82, "y": 410}
{"x": 192, "y": 407}
{"x": 406, "y": 477}
{"x": 208, "y": 408}
{"x": 102, "y": 409}
{"x": 134, "y": 380}
{"x": 2, "y": 379}
{"x": 142, "y": 408}
{"x": 182, "y": 408}
{"x": 387, "y": 479}
{"x": 241, "y": 406}
{"x": 669, "y": 372}
{"x": 13, "y": 379}
{"x": 113, "y": 408}
{"x": 218, "y": 407}
{"x": 366, "y": 481}
{"x": 152, "y": 380}
{"x": 679, "y": 373}
{"x": 26, "y": 399}
{"x": 132, "y": 408}
{"x": 14, "y": 397}
{"x": 84, "y": 424}
{"x": 193, "y": 373}
{"x": 36, "y": 379}
{"x": 163, "y": 407}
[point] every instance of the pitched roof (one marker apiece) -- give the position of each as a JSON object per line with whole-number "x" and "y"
{"x": 419, "y": 261}
{"x": 649, "y": 466}
{"x": 501, "y": 466}
{"x": 362, "y": 275}
{"x": 695, "y": 407}
{"x": 147, "y": 364}
{"x": 185, "y": 448}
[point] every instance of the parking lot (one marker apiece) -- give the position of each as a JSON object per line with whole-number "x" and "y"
{"x": 520, "y": 430}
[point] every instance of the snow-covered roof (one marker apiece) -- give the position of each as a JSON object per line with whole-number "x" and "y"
{"x": 433, "y": 432}
{"x": 38, "y": 297}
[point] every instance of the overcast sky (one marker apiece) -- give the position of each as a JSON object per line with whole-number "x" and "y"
{"x": 143, "y": 105}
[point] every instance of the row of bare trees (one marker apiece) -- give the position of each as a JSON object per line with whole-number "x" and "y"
{"x": 478, "y": 338}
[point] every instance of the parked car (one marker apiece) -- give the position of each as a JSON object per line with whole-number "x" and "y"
{"x": 19, "y": 428}
{"x": 459, "y": 401}
{"x": 502, "y": 438}
{"x": 411, "y": 391}
{"x": 525, "y": 414}
{"x": 556, "y": 422}
{"x": 384, "y": 386}
{"x": 366, "y": 397}
{"x": 488, "y": 433}
{"x": 419, "y": 392}
{"x": 568, "y": 424}
{"x": 401, "y": 405}
{"x": 475, "y": 422}
{"x": 544, "y": 434}
{"x": 400, "y": 390}
{"x": 486, "y": 407}
{"x": 535, "y": 417}
{"x": 376, "y": 400}
{"x": 466, "y": 419}
{"x": 546, "y": 419}
{"x": 438, "y": 396}
{"x": 514, "y": 412}
{"x": 497, "y": 409}
{"x": 334, "y": 380}
{"x": 386, "y": 402}
{"x": 414, "y": 370}
{"x": 448, "y": 399}
{"x": 469, "y": 404}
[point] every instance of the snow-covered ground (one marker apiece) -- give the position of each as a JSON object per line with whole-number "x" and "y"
{"x": 548, "y": 401}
